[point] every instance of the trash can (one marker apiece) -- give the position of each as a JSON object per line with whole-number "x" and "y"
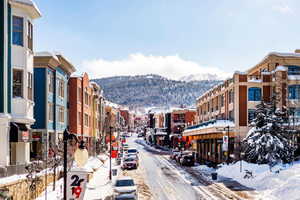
{"x": 114, "y": 172}
{"x": 214, "y": 176}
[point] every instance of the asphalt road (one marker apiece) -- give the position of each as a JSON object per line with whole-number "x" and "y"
{"x": 164, "y": 183}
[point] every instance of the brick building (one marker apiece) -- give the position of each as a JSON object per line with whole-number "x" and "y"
{"x": 226, "y": 110}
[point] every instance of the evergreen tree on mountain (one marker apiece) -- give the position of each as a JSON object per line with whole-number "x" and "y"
{"x": 269, "y": 139}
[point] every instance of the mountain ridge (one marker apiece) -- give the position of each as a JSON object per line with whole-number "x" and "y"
{"x": 152, "y": 90}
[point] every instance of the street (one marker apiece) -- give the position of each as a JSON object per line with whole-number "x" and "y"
{"x": 164, "y": 184}
{"x": 158, "y": 178}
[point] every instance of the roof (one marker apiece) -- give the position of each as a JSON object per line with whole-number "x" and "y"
{"x": 278, "y": 54}
{"x": 28, "y": 5}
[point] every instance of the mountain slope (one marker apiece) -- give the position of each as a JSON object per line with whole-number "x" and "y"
{"x": 152, "y": 90}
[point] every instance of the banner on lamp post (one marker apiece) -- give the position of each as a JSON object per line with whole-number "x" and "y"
{"x": 225, "y": 143}
{"x": 76, "y": 184}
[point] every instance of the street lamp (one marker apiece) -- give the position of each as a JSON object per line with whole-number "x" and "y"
{"x": 81, "y": 155}
{"x": 66, "y": 137}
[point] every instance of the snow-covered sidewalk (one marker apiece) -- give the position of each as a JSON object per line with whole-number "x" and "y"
{"x": 283, "y": 182}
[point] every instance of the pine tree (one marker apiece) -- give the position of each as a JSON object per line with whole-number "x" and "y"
{"x": 269, "y": 139}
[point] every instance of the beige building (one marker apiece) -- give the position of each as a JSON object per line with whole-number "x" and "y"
{"x": 225, "y": 110}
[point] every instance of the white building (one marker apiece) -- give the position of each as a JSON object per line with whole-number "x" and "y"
{"x": 19, "y": 59}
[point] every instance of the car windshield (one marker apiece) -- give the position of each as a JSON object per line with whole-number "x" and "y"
{"x": 132, "y": 150}
{"x": 124, "y": 183}
{"x": 129, "y": 159}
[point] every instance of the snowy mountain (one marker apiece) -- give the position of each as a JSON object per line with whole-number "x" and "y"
{"x": 152, "y": 90}
{"x": 201, "y": 77}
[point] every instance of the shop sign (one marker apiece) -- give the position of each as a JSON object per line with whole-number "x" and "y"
{"x": 25, "y": 136}
{"x": 225, "y": 143}
{"x": 76, "y": 185}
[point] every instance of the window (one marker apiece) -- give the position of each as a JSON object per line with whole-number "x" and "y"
{"x": 79, "y": 118}
{"x": 222, "y": 100}
{"x": 86, "y": 120}
{"x": 50, "y": 112}
{"x": 79, "y": 95}
{"x": 29, "y": 86}
{"x": 294, "y": 91}
{"x": 86, "y": 97}
{"x": 251, "y": 115}
{"x": 293, "y": 70}
{"x": 254, "y": 94}
{"x": 231, "y": 115}
{"x": 51, "y": 82}
{"x": 90, "y": 122}
{"x": 30, "y": 35}
{"x": 61, "y": 88}
{"x": 18, "y": 31}
{"x": 17, "y": 83}
{"x": 61, "y": 114}
{"x": 231, "y": 96}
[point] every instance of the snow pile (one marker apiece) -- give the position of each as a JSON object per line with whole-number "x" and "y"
{"x": 281, "y": 182}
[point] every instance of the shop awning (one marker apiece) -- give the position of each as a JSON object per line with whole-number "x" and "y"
{"x": 19, "y": 132}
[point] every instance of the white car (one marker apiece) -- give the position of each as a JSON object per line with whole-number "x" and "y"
{"x": 130, "y": 163}
{"x": 125, "y": 185}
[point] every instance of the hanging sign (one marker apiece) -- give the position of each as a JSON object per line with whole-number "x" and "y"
{"x": 225, "y": 143}
{"x": 76, "y": 185}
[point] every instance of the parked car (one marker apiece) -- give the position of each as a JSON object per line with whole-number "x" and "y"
{"x": 125, "y": 185}
{"x": 126, "y": 197}
{"x": 187, "y": 160}
{"x": 174, "y": 153}
{"x": 130, "y": 163}
{"x": 132, "y": 151}
{"x": 125, "y": 147}
{"x": 130, "y": 155}
{"x": 177, "y": 157}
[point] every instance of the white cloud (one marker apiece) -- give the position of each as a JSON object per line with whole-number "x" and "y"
{"x": 284, "y": 9}
{"x": 172, "y": 67}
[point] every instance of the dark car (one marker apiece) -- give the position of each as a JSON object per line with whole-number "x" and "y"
{"x": 173, "y": 155}
{"x": 187, "y": 160}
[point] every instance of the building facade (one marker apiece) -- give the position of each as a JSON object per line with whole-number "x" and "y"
{"x": 17, "y": 87}
{"x": 52, "y": 72}
{"x": 225, "y": 112}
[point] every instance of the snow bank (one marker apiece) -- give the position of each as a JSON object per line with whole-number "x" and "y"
{"x": 282, "y": 182}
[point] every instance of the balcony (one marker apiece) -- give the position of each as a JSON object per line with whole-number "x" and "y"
{"x": 22, "y": 110}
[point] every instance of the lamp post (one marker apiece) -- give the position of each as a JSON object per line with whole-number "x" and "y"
{"x": 110, "y": 146}
{"x": 226, "y": 130}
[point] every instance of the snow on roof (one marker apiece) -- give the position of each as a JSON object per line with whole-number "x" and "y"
{"x": 29, "y": 3}
{"x": 46, "y": 54}
{"x": 111, "y": 104}
{"x": 280, "y": 68}
{"x": 211, "y": 124}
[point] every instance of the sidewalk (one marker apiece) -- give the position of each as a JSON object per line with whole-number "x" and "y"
{"x": 100, "y": 187}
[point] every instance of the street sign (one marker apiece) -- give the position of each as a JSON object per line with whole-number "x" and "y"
{"x": 76, "y": 185}
{"x": 225, "y": 143}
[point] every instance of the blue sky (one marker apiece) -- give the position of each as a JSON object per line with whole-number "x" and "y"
{"x": 216, "y": 36}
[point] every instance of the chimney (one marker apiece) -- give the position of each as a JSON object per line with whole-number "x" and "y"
{"x": 297, "y": 51}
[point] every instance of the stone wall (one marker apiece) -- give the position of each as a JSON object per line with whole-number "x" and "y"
{"x": 19, "y": 190}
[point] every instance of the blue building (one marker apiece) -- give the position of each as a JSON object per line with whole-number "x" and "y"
{"x": 51, "y": 74}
